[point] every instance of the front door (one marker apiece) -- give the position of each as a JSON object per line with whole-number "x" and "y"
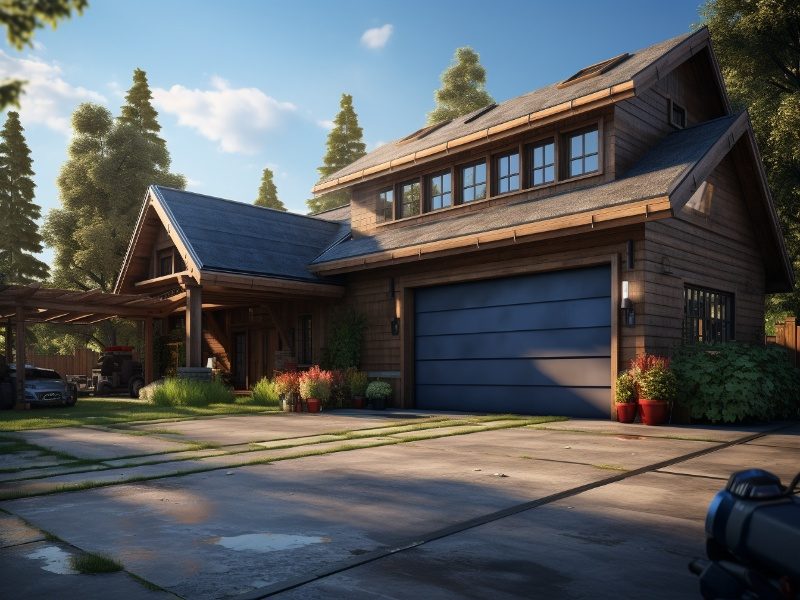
{"x": 240, "y": 360}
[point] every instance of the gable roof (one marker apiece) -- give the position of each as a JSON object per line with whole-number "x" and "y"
{"x": 619, "y": 82}
{"x": 234, "y": 237}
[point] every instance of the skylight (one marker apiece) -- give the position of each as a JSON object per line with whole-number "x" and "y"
{"x": 594, "y": 70}
{"x": 479, "y": 113}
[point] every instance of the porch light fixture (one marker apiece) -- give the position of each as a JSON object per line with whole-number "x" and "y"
{"x": 628, "y": 314}
{"x": 395, "y": 324}
{"x": 211, "y": 363}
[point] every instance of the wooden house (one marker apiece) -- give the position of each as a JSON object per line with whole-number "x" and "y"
{"x": 511, "y": 260}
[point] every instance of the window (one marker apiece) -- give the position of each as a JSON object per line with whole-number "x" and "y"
{"x": 583, "y": 152}
{"x": 304, "y": 340}
{"x": 543, "y": 163}
{"x": 385, "y": 206}
{"x": 507, "y": 172}
{"x": 409, "y": 199}
{"x": 677, "y": 115}
{"x": 473, "y": 182}
{"x": 707, "y": 316}
{"x": 440, "y": 190}
{"x": 165, "y": 263}
{"x": 594, "y": 70}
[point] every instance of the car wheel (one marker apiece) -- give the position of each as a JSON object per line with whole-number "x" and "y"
{"x": 103, "y": 389}
{"x": 136, "y": 387}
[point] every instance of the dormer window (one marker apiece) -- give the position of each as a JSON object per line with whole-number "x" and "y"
{"x": 165, "y": 265}
{"x": 473, "y": 182}
{"x": 677, "y": 115}
{"x": 385, "y": 206}
{"x": 583, "y": 147}
{"x": 409, "y": 199}
{"x": 543, "y": 163}
{"x": 507, "y": 166}
{"x": 440, "y": 190}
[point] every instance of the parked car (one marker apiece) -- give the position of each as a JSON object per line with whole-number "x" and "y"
{"x": 44, "y": 387}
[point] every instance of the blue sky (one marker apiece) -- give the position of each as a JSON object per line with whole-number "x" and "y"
{"x": 244, "y": 84}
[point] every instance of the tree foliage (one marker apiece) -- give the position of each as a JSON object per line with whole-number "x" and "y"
{"x": 22, "y": 18}
{"x": 110, "y": 164}
{"x": 758, "y": 47}
{"x": 345, "y": 144}
{"x": 463, "y": 88}
{"x": 19, "y": 232}
{"x": 268, "y": 193}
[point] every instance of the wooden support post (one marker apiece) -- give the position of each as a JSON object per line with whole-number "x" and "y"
{"x": 194, "y": 326}
{"x": 148, "y": 350}
{"x": 20, "y": 359}
{"x": 9, "y": 342}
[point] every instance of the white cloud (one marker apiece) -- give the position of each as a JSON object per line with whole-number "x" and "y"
{"x": 377, "y": 37}
{"x": 326, "y": 124}
{"x": 47, "y": 99}
{"x": 236, "y": 118}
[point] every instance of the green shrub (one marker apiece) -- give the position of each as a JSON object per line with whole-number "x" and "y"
{"x": 626, "y": 388}
{"x": 358, "y": 383}
{"x": 174, "y": 391}
{"x": 343, "y": 345}
{"x": 729, "y": 383}
{"x": 657, "y": 383}
{"x": 379, "y": 390}
{"x": 265, "y": 393}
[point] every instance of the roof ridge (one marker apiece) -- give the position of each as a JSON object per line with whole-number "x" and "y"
{"x": 238, "y": 203}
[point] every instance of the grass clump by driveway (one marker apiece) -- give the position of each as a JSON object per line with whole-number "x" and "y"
{"x": 94, "y": 563}
{"x": 174, "y": 391}
{"x": 110, "y": 411}
{"x": 265, "y": 393}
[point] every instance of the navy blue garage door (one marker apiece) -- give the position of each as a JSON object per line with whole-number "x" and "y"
{"x": 538, "y": 344}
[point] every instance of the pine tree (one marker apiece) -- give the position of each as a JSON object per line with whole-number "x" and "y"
{"x": 19, "y": 232}
{"x": 345, "y": 144}
{"x": 462, "y": 90}
{"x": 268, "y": 193}
{"x": 138, "y": 109}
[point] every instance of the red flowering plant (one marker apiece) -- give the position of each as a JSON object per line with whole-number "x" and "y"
{"x": 644, "y": 363}
{"x": 316, "y": 383}
{"x": 288, "y": 384}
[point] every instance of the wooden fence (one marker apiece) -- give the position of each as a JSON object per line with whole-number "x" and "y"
{"x": 787, "y": 334}
{"x": 80, "y": 363}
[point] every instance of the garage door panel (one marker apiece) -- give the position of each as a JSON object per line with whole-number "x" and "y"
{"x": 593, "y": 372}
{"x": 545, "y": 287}
{"x": 593, "y": 341}
{"x": 555, "y": 400}
{"x": 526, "y": 317}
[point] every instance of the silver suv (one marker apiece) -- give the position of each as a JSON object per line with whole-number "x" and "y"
{"x": 45, "y": 387}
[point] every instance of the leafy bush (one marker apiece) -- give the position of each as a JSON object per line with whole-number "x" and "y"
{"x": 733, "y": 382}
{"x": 644, "y": 362}
{"x": 265, "y": 393}
{"x": 358, "y": 383}
{"x": 379, "y": 390}
{"x": 287, "y": 384}
{"x": 626, "y": 388}
{"x": 340, "y": 388}
{"x": 316, "y": 383}
{"x": 658, "y": 383}
{"x": 174, "y": 391}
{"x": 343, "y": 346}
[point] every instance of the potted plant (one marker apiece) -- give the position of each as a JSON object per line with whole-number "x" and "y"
{"x": 287, "y": 387}
{"x": 358, "y": 387}
{"x": 657, "y": 389}
{"x": 315, "y": 388}
{"x": 378, "y": 392}
{"x": 625, "y": 398}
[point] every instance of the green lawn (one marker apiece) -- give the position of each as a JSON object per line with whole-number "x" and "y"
{"x": 107, "y": 411}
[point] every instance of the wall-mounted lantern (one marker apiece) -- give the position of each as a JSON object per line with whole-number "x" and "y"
{"x": 628, "y": 314}
{"x": 395, "y": 326}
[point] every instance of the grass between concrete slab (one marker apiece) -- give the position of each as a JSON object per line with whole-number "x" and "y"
{"x": 94, "y": 563}
{"x": 303, "y": 450}
{"x": 107, "y": 411}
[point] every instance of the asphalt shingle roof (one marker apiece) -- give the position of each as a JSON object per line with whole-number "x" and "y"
{"x": 234, "y": 237}
{"x": 651, "y": 177}
{"x": 540, "y": 99}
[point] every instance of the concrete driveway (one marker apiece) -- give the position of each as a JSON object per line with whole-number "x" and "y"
{"x": 497, "y": 509}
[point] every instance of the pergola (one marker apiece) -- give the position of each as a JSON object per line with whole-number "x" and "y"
{"x": 22, "y": 304}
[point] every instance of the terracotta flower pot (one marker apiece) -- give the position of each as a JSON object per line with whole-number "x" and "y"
{"x": 313, "y": 405}
{"x": 358, "y": 401}
{"x": 654, "y": 412}
{"x": 626, "y": 412}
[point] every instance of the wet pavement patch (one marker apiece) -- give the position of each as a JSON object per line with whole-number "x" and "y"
{"x": 55, "y": 560}
{"x": 267, "y": 542}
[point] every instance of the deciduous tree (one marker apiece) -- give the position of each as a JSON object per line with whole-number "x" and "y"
{"x": 19, "y": 232}
{"x": 758, "y": 47}
{"x": 268, "y": 193}
{"x": 463, "y": 88}
{"x": 345, "y": 145}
